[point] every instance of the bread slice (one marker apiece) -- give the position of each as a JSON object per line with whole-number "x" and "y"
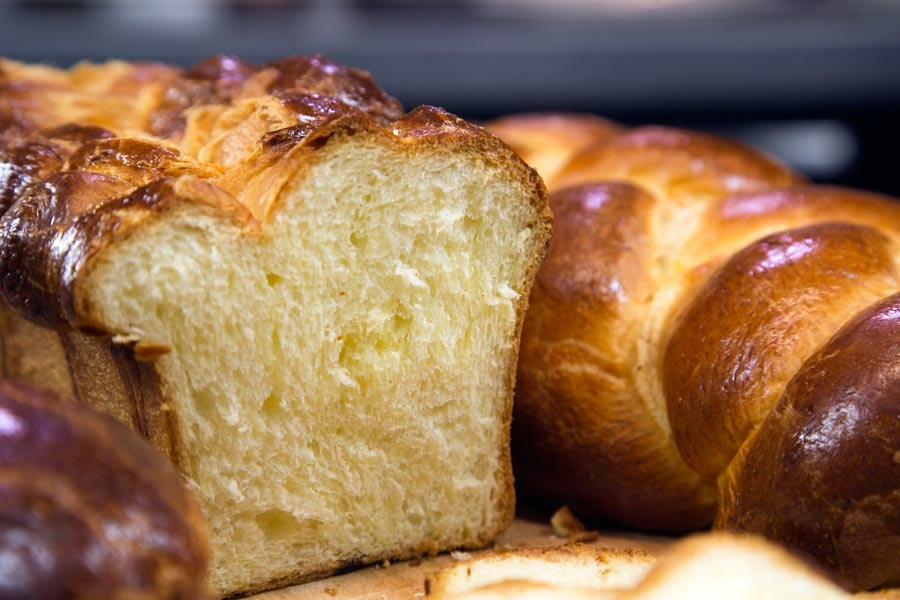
{"x": 523, "y": 589}
{"x": 310, "y": 301}
{"x": 738, "y": 566}
{"x": 701, "y": 565}
{"x": 574, "y": 569}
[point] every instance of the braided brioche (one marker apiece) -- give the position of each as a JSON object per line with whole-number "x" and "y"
{"x": 713, "y": 340}
{"x": 307, "y": 299}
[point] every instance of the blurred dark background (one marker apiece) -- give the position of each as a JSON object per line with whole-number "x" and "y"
{"x": 816, "y": 82}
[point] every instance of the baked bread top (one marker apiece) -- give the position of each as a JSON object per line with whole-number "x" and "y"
{"x": 102, "y": 148}
{"x": 711, "y": 340}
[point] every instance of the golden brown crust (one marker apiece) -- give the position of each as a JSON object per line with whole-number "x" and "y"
{"x": 706, "y": 296}
{"x": 76, "y": 184}
{"x": 739, "y": 219}
{"x": 585, "y": 302}
{"x": 54, "y": 230}
{"x": 547, "y": 141}
{"x": 293, "y": 80}
{"x": 91, "y": 510}
{"x": 681, "y": 165}
{"x": 116, "y": 95}
{"x": 826, "y": 456}
{"x": 33, "y": 353}
{"x": 728, "y": 359}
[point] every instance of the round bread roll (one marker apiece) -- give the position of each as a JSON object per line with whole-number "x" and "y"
{"x": 89, "y": 509}
{"x": 712, "y": 340}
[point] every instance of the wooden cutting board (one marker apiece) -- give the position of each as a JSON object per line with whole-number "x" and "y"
{"x": 406, "y": 580}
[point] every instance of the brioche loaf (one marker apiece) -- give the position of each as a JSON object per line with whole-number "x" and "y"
{"x": 712, "y": 340}
{"x": 89, "y": 509}
{"x": 309, "y": 300}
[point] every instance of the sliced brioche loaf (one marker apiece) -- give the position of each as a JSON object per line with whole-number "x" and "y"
{"x": 308, "y": 300}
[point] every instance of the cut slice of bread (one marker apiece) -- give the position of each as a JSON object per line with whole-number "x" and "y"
{"x": 312, "y": 306}
{"x": 736, "y": 566}
{"x": 521, "y": 589}
{"x": 570, "y": 568}
{"x": 699, "y": 566}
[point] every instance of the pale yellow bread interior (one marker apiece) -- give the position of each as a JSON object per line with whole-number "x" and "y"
{"x": 341, "y": 370}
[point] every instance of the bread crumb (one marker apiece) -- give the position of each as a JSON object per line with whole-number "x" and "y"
{"x": 460, "y": 555}
{"x": 150, "y": 351}
{"x": 330, "y": 591}
{"x": 565, "y": 524}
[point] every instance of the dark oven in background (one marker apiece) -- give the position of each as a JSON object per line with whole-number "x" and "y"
{"x": 816, "y": 82}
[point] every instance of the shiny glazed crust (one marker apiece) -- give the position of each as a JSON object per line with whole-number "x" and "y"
{"x": 711, "y": 339}
{"x": 84, "y": 500}
{"x": 78, "y": 173}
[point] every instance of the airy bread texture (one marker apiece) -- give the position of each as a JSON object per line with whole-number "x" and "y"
{"x": 713, "y": 340}
{"x": 707, "y": 565}
{"x": 307, "y": 299}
